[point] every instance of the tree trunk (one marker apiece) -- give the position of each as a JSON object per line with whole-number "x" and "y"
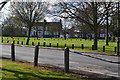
{"x": 37, "y": 33}
{"x": 95, "y": 39}
{"x": 107, "y": 28}
{"x": 28, "y": 38}
{"x": 94, "y": 4}
{"x": 21, "y": 32}
{"x": 44, "y": 27}
{"x": 43, "y": 31}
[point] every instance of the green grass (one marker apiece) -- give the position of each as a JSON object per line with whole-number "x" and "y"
{"x": 77, "y": 43}
{"x": 14, "y": 71}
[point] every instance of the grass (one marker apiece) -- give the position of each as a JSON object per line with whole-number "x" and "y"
{"x": 17, "y": 71}
{"x": 77, "y": 43}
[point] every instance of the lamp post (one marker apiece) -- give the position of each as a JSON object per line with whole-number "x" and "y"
{"x": 118, "y": 39}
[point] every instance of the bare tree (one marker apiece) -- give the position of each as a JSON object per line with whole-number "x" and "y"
{"x": 11, "y": 27}
{"x": 110, "y": 11}
{"x": 3, "y": 3}
{"x": 29, "y": 13}
{"x": 92, "y": 14}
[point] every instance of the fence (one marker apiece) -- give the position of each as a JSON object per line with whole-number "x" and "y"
{"x": 36, "y": 54}
{"x": 58, "y": 45}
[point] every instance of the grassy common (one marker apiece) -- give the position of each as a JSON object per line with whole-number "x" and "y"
{"x": 77, "y": 43}
{"x": 19, "y": 71}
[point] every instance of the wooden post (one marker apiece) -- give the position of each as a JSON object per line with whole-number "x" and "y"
{"x": 50, "y": 45}
{"x": 2, "y": 40}
{"x": 66, "y": 60}
{"x": 115, "y": 49}
{"x": 22, "y": 43}
{"x": 118, "y": 47}
{"x": 82, "y": 46}
{"x": 8, "y": 41}
{"x": 17, "y": 42}
{"x": 72, "y": 46}
{"x": 38, "y": 43}
{"x": 36, "y": 55}
{"x": 57, "y": 45}
{"x": 65, "y": 45}
{"x": 12, "y": 52}
{"x": 32, "y": 43}
{"x": 92, "y": 47}
{"x": 103, "y": 48}
{"x": 44, "y": 44}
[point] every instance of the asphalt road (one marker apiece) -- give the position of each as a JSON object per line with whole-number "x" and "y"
{"x": 56, "y": 57}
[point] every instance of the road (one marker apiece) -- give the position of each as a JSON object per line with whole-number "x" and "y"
{"x": 56, "y": 57}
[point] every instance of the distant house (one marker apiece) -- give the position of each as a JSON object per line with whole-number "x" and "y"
{"x": 74, "y": 32}
{"x": 47, "y": 29}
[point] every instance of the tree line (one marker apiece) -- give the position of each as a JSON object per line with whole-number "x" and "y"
{"x": 84, "y": 14}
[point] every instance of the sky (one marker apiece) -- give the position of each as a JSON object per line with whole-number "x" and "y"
{"x": 5, "y": 11}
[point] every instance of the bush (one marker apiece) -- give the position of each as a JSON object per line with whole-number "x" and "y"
{"x": 112, "y": 39}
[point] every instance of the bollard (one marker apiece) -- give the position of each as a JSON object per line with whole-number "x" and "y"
{"x": 72, "y": 46}
{"x": 12, "y": 52}
{"x": 36, "y": 55}
{"x": 32, "y": 43}
{"x": 38, "y": 43}
{"x": 115, "y": 49}
{"x": 92, "y": 47}
{"x": 2, "y": 40}
{"x": 17, "y": 42}
{"x": 22, "y": 43}
{"x": 66, "y": 60}
{"x": 103, "y": 48}
{"x": 118, "y": 47}
{"x": 50, "y": 45}
{"x": 57, "y": 45}
{"x": 8, "y": 41}
{"x": 82, "y": 46}
{"x": 44, "y": 44}
{"x": 65, "y": 45}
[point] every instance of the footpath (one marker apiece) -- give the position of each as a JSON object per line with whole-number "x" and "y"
{"x": 101, "y": 56}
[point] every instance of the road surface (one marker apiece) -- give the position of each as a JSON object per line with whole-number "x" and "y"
{"x": 56, "y": 57}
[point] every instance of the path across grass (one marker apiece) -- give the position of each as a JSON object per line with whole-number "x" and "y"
{"x": 61, "y": 43}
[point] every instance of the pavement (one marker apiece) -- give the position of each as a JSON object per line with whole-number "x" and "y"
{"x": 101, "y": 56}
{"x": 94, "y": 63}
